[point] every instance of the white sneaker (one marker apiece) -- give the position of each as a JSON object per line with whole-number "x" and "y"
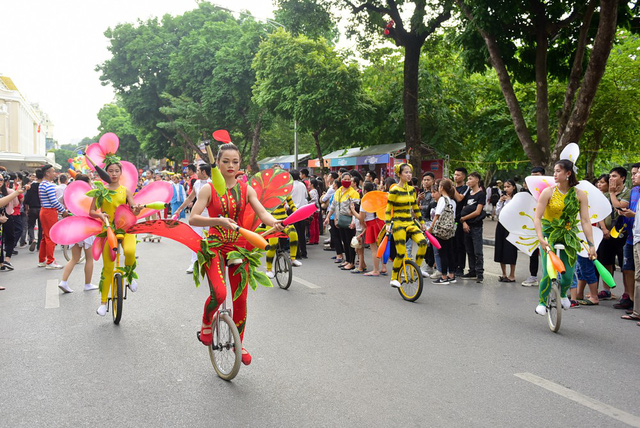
{"x": 42, "y": 264}
{"x": 102, "y": 310}
{"x": 89, "y": 287}
{"x": 425, "y": 274}
{"x": 530, "y": 282}
{"x": 436, "y": 274}
{"x": 133, "y": 286}
{"x": 190, "y": 268}
{"x": 270, "y": 274}
{"x": 395, "y": 284}
{"x": 566, "y": 303}
{"x": 296, "y": 262}
{"x": 64, "y": 287}
{"x": 53, "y": 265}
{"x": 542, "y": 309}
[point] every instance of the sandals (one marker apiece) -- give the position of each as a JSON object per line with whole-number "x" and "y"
{"x": 372, "y": 274}
{"x": 505, "y": 279}
{"x": 587, "y": 302}
{"x": 631, "y": 317}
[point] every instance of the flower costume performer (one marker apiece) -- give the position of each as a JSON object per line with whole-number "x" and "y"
{"x": 399, "y": 220}
{"x": 280, "y": 213}
{"x": 225, "y": 212}
{"x": 113, "y": 204}
{"x": 557, "y": 214}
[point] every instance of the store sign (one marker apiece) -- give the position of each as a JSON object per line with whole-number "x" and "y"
{"x": 343, "y": 162}
{"x": 372, "y": 160}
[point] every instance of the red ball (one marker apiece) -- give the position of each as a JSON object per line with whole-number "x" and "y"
{"x": 386, "y": 31}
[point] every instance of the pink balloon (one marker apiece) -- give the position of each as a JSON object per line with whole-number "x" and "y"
{"x": 109, "y": 143}
{"x": 76, "y": 200}
{"x": 71, "y": 230}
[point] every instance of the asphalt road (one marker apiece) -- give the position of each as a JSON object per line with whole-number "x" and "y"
{"x": 336, "y": 349}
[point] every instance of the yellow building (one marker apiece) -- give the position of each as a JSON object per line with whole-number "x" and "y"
{"x": 24, "y": 130}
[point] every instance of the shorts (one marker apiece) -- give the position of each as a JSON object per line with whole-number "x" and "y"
{"x": 85, "y": 244}
{"x": 628, "y": 263}
{"x": 586, "y": 270}
{"x": 609, "y": 249}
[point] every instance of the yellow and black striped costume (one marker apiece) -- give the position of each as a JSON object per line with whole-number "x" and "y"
{"x": 401, "y": 202}
{"x": 280, "y": 213}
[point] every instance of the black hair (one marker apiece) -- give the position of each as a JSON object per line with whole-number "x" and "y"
{"x": 304, "y": 171}
{"x": 372, "y": 174}
{"x": 225, "y": 147}
{"x": 191, "y": 167}
{"x": 356, "y": 173}
{"x": 295, "y": 174}
{"x": 636, "y": 165}
{"x": 63, "y": 178}
{"x": 429, "y": 174}
{"x": 342, "y": 170}
{"x": 537, "y": 170}
{"x": 462, "y": 170}
{"x": 82, "y": 177}
{"x": 39, "y": 174}
{"x": 334, "y": 175}
{"x": 356, "y": 180}
{"x": 604, "y": 177}
{"x": 567, "y": 166}
{"x": 479, "y": 177}
{"x": 513, "y": 183}
{"x": 206, "y": 168}
{"x": 314, "y": 183}
{"x": 388, "y": 182}
{"x": 368, "y": 186}
{"x": 45, "y": 168}
{"x": 414, "y": 181}
{"x": 622, "y": 172}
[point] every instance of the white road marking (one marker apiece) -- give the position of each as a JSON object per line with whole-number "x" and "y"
{"x": 52, "y": 297}
{"x": 305, "y": 282}
{"x": 589, "y": 402}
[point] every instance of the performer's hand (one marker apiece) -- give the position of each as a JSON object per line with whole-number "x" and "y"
{"x": 592, "y": 253}
{"x": 227, "y": 223}
{"x": 423, "y": 227}
{"x": 545, "y": 246}
{"x": 388, "y": 228}
{"x": 105, "y": 217}
{"x": 278, "y": 226}
{"x": 136, "y": 209}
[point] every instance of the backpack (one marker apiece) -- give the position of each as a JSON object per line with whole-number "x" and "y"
{"x": 495, "y": 196}
{"x": 445, "y": 227}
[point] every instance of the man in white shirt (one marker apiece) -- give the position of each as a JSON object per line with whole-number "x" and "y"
{"x": 204, "y": 177}
{"x": 60, "y": 188}
{"x": 300, "y": 196}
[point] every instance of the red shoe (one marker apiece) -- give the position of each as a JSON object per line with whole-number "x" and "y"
{"x": 246, "y": 357}
{"x": 206, "y": 335}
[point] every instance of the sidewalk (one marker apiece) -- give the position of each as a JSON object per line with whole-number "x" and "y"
{"x": 489, "y": 231}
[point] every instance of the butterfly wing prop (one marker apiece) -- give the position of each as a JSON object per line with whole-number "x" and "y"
{"x": 537, "y": 183}
{"x": 272, "y": 186}
{"x": 517, "y": 218}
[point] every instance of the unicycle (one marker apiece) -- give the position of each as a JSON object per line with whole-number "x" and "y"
{"x": 411, "y": 281}
{"x": 225, "y": 350}
{"x": 554, "y": 306}
{"x": 118, "y": 290}
{"x": 282, "y": 267}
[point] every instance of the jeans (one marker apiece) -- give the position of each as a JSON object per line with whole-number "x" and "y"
{"x": 459, "y": 248}
{"x": 473, "y": 246}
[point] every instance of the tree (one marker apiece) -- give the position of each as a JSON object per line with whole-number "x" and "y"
{"x": 305, "y": 80}
{"x": 411, "y": 34}
{"x": 114, "y": 118}
{"x": 309, "y": 17}
{"x": 529, "y": 41}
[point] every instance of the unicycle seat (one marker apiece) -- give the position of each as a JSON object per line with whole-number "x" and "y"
{"x": 558, "y": 246}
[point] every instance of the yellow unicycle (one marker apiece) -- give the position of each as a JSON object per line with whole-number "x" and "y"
{"x": 411, "y": 281}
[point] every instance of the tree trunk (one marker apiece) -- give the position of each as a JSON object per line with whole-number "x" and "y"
{"x": 415, "y": 152}
{"x": 532, "y": 150}
{"x": 542, "y": 87}
{"x": 255, "y": 147}
{"x": 595, "y": 69}
{"x": 316, "y": 139}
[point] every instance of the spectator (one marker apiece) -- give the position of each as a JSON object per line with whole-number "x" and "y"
{"x": 459, "y": 179}
{"x": 32, "y": 206}
{"x": 505, "y": 252}
{"x": 373, "y": 226}
{"x": 61, "y": 187}
{"x": 444, "y": 220}
{"x": 7, "y": 220}
{"x": 635, "y": 314}
{"x": 48, "y": 217}
{"x": 314, "y": 228}
{"x": 300, "y": 196}
{"x": 471, "y": 218}
{"x": 341, "y": 207}
{"x": 371, "y": 177}
{"x": 178, "y": 197}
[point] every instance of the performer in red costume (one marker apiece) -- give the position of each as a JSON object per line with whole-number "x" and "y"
{"x": 224, "y": 213}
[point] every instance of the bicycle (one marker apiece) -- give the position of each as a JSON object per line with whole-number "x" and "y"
{"x": 66, "y": 251}
{"x": 225, "y": 350}
{"x": 118, "y": 292}
{"x": 554, "y": 314}
{"x": 282, "y": 267}
{"x": 411, "y": 280}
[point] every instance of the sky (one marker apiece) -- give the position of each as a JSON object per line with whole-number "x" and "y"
{"x": 50, "y": 50}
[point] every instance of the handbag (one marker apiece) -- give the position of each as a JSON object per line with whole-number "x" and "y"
{"x": 445, "y": 226}
{"x": 355, "y": 243}
{"x": 344, "y": 221}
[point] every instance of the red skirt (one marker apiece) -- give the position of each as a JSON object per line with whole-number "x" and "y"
{"x": 373, "y": 230}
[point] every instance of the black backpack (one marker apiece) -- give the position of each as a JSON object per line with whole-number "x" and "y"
{"x": 495, "y": 196}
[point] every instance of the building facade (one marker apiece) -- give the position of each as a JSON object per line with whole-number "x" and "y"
{"x": 24, "y": 131}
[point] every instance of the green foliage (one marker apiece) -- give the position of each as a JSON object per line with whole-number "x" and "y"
{"x": 100, "y": 193}
{"x": 564, "y": 230}
{"x": 115, "y": 118}
{"x": 313, "y": 18}
{"x": 62, "y": 156}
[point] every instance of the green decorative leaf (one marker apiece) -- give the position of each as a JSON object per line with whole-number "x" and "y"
{"x": 262, "y": 279}
{"x": 252, "y": 283}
